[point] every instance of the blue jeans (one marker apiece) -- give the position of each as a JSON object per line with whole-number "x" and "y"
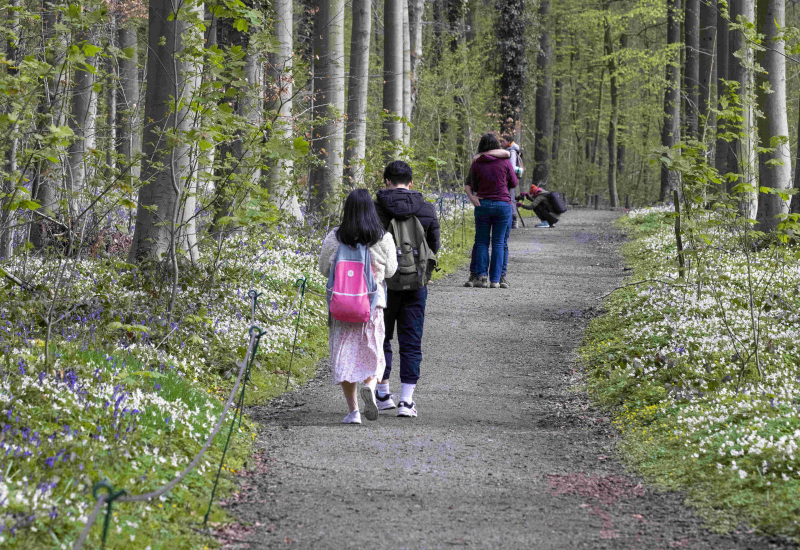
{"x": 492, "y": 224}
{"x": 406, "y": 310}
{"x": 473, "y": 261}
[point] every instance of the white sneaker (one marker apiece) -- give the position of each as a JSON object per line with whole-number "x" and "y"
{"x": 408, "y": 410}
{"x": 370, "y": 406}
{"x": 386, "y": 402}
{"x": 352, "y": 418}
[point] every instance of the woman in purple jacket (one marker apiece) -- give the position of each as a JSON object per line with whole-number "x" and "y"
{"x": 487, "y": 187}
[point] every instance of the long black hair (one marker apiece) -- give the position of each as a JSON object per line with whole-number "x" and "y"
{"x": 360, "y": 221}
{"x": 487, "y": 143}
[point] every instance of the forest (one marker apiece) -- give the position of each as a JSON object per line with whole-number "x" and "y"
{"x": 161, "y": 160}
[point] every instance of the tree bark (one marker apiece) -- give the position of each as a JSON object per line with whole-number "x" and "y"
{"x": 165, "y": 199}
{"x": 406, "y": 74}
{"x": 612, "y": 123}
{"x": 393, "y": 70}
{"x": 775, "y": 166}
{"x": 623, "y": 43}
{"x": 708, "y": 68}
{"x": 8, "y": 185}
{"x": 328, "y": 135}
{"x": 83, "y": 124}
{"x": 358, "y": 88}
{"x": 557, "y": 104}
{"x": 722, "y": 149}
{"x": 129, "y": 140}
{"x": 280, "y": 73}
{"x": 744, "y": 161}
{"x": 544, "y": 93}
{"x": 670, "y": 133}
{"x": 511, "y": 50}
{"x": 691, "y": 76}
{"x": 416, "y": 12}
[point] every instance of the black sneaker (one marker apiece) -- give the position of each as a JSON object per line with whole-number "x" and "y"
{"x": 503, "y": 283}
{"x": 472, "y": 280}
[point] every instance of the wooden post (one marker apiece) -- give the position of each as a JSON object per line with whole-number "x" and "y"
{"x": 627, "y": 202}
{"x": 681, "y": 263}
{"x": 597, "y": 202}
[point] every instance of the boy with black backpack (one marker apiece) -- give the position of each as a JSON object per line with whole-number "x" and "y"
{"x": 413, "y": 223}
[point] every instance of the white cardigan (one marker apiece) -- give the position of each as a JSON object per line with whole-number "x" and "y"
{"x": 384, "y": 259}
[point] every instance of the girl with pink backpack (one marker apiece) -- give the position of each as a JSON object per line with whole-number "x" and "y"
{"x": 357, "y": 257}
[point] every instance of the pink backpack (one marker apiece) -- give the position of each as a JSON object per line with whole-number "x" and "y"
{"x": 352, "y": 290}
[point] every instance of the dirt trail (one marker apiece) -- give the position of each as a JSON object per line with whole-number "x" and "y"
{"x": 503, "y": 454}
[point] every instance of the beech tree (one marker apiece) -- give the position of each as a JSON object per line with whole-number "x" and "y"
{"x": 280, "y": 93}
{"x": 393, "y": 69}
{"x": 544, "y": 96}
{"x": 613, "y": 197}
{"x": 512, "y": 63}
{"x": 357, "y": 90}
{"x": 775, "y": 159}
{"x": 670, "y": 134}
{"x": 691, "y": 73}
{"x": 166, "y": 169}
{"x": 328, "y": 133}
{"x": 740, "y": 66}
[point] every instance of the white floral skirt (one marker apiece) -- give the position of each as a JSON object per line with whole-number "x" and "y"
{"x": 357, "y": 349}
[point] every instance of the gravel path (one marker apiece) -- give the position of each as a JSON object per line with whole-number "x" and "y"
{"x": 503, "y": 454}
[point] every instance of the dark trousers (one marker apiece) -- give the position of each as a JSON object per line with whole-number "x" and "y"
{"x": 405, "y": 309}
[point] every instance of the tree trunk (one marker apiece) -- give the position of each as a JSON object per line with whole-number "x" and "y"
{"x": 304, "y": 34}
{"x": 406, "y": 74}
{"x": 83, "y": 124}
{"x": 557, "y": 104}
{"x": 612, "y": 123}
{"x": 744, "y": 159}
{"x": 722, "y": 149}
{"x": 163, "y": 204}
{"x": 357, "y": 90}
{"x": 393, "y": 70}
{"x": 129, "y": 141}
{"x": 544, "y": 93}
{"x": 280, "y": 73}
{"x": 623, "y": 43}
{"x": 416, "y": 12}
{"x": 795, "y": 204}
{"x": 511, "y": 50}
{"x": 708, "y": 69}
{"x": 691, "y": 76}
{"x": 774, "y": 167}
{"x": 328, "y": 135}
{"x": 670, "y": 133}
{"x": 8, "y": 185}
{"x": 50, "y": 111}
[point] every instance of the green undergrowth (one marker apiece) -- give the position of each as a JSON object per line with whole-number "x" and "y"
{"x": 660, "y": 359}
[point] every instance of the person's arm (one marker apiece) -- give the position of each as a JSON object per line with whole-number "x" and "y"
{"x": 329, "y": 247}
{"x": 469, "y": 185}
{"x": 391, "y": 253}
{"x": 512, "y": 177}
{"x": 432, "y": 235}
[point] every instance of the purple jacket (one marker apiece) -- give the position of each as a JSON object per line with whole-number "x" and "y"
{"x": 491, "y": 177}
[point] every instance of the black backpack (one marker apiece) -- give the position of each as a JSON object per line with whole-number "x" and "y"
{"x": 557, "y": 202}
{"x": 415, "y": 259}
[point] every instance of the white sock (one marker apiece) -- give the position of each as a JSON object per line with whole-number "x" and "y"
{"x": 407, "y": 393}
{"x": 383, "y": 389}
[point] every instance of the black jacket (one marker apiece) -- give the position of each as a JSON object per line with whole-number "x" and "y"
{"x": 401, "y": 203}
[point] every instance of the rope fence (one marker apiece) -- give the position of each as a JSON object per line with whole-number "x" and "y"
{"x": 106, "y": 494}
